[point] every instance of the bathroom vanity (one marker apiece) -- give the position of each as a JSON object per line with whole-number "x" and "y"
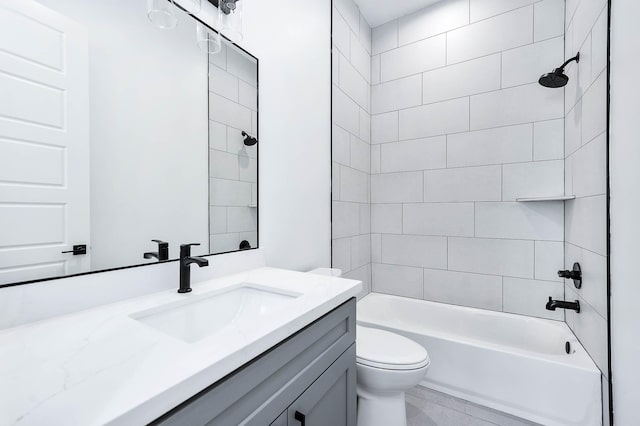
{"x": 266, "y": 346}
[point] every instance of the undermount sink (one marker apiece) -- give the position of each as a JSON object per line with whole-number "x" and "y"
{"x": 200, "y": 316}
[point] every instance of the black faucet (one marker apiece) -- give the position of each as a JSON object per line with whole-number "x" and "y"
{"x": 162, "y": 253}
{"x": 553, "y": 304}
{"x": 185, "y": 271}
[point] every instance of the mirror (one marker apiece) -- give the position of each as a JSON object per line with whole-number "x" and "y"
{"x": 115, "y": 132}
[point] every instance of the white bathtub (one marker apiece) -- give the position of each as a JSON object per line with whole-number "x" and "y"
{"x": 511, "y": 363}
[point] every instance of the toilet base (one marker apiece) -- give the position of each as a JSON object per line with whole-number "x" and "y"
{"x": 381, "y": 409}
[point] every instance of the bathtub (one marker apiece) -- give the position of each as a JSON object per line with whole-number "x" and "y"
{"x": 512, "y": 363}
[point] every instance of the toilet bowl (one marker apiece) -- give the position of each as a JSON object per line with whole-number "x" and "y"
{"x": 387, "y": 365}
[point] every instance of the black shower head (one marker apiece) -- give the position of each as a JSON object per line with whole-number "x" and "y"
{"x": 249, "y": 140}
{"x": 554, "y": 79}
{"x": 557, "y": 78}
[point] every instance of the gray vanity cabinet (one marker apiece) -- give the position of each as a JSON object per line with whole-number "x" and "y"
{"x": 307, "y": 380}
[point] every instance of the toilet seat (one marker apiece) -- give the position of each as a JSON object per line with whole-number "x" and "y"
{"x": 385, "y": 350}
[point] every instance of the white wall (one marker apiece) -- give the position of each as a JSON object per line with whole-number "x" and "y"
{"x": 625, "y": 205}
{"x": 292, "y": 42}
{"x": 351, "y": 138}
{"x": 460, "y": 129}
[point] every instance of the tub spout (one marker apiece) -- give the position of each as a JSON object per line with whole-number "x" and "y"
{"x": 553, "y": 304}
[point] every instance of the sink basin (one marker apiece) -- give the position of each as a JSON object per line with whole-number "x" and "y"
{"x": 203, "y": 315}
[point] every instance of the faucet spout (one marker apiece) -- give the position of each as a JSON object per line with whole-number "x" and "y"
{"x": 185, "y": 271}
{"x": 553, "y": 304}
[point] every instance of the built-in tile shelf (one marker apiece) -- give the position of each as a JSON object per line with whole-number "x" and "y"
{"x": 547, "y": 198}
{"x": 252, "y": 206}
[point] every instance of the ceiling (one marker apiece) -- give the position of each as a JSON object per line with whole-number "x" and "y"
{"x": 377, "y": 12}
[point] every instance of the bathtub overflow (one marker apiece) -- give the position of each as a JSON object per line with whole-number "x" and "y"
{"x": 567, "y": 347}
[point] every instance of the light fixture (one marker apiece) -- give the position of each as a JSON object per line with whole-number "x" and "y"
{"x": 230, "y": 18}
{"x": 162, "y": 14}
{"x": 208, "y": 41}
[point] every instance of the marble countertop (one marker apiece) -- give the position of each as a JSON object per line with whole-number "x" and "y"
{"x": 100, "y": 366}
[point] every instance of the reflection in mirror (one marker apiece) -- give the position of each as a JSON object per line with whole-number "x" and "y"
{"x": 105, "y": 144}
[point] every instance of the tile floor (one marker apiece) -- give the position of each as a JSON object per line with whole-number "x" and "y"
{"x": 426, "y": 407}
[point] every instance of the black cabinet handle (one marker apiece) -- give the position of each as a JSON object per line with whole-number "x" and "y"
{"x": 78, "y": 250}
{"x": 300, "y": 417}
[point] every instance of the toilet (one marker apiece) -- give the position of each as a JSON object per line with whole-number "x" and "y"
{"x": 387, "y": 365}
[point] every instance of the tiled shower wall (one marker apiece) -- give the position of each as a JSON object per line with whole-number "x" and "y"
{"x": 585, "y": 174}
{"x": 460, "y": 129}
{"x": 233, "y": 167}
{"x": 351, "y": 92}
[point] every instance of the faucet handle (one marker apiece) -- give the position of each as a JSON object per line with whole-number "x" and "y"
{"x": 185, "y": 249}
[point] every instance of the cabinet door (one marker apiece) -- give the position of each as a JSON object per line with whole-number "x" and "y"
{"x": 331, "y": 399}
{"x": 281, "y": 420}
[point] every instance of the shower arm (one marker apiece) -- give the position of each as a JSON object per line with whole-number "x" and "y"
{"x": 568, "y": 61}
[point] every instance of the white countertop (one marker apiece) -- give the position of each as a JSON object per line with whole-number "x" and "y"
{"x": 100, "y": 366}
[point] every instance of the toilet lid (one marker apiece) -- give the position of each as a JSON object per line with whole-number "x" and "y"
{"x": 383, "y": 349}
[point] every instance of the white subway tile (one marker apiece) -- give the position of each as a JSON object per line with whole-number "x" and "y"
{"x": 573, "y": 129}
{"x": 217, "y": 220}
{"x": 463, "y": 184}
{"x": 459, "y": 288}
{"x": 341, "y": 254}
{"x": 229, "y": 192}
{"x": 376, "y": 248}
{"x": 526, "y": 64}
{"x": 365, "y": 218}
{"x": 242, "y": 66}
{"x": 548, "y": 140}
{"x": 435, "y": 119}
{"x": 375, "y": 159}
{"x": 341, "y": 146}
{"x": 586, "y": 15}
{"x": 346, "y": 113}
{"x": 463, "y": 79}
{"x": 354, "y": 185}
{"x": 529, "y": 297}
{"x": 493, "y": 146}
{"x": 248, "y": 96}
{"x": 594, "y": 109}
{"x": 585, "y": 223}
{"x": 349, "y": 10}
{"x": 223, "y": 83}
{"x": 599, "y": 39}
{"x": 375, "y": 69}
{"x": 335, "y": 66}
{"x": 413, "y": 58}
{"x": 365, "y": 126}
{"x": 221, "y": 243}
{"x": 516, "y": 105}
{"x": 436, "y": 19}
{"x": 360, "y": 155}
{"x": 411, "y": 250}
{"x": 360, "y": 251}
{"x": 594, "y": 276}
{"x": 396, "y": 94}
{"x": 217, "y": 136}
{"x": 544, "y": 178}
{"x": 386, "y": 218}
{"x": 335, "y": 181}
{"x": 447, "y": 219}
{"x": 228, "y": 112}
{"x": 398, "y": 280}
{"x": 384, "y": 127}
{"x": 396, "y": 187}
{"x": 341, "y": 35}
{"x": 549, "y": 260}
{"x": 248, "y": 168}
{"x": 360, "y": 58}
{"x": 384, "y": 37}
{"x": 220, "y": 60}
{"x": 353, "y": 84}
{"x": 488, "y": 256}
{"x": 524, "y": 221}
{"x": 365, "y": 34}
{"x": 492, "y": 35}
{"x": 570, "y": 10}
{"x": 590, "y": 168}
{"x": 548, "y": 19}
{"x": 417, "y": 154}
{"x": 345, "y": 219}
{"x": 482, "y": 9}
{"x": 242, "y": 219}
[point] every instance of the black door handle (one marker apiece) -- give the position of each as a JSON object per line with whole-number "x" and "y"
{"x": 78, "y": 250}
{"x": 300, "y": 417}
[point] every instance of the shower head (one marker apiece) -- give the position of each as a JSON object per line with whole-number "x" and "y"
{"x": 557, "y": 78}
{"x": 249, "y": 140}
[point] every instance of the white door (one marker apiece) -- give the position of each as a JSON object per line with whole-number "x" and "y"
{"x": 44, "y": 142}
